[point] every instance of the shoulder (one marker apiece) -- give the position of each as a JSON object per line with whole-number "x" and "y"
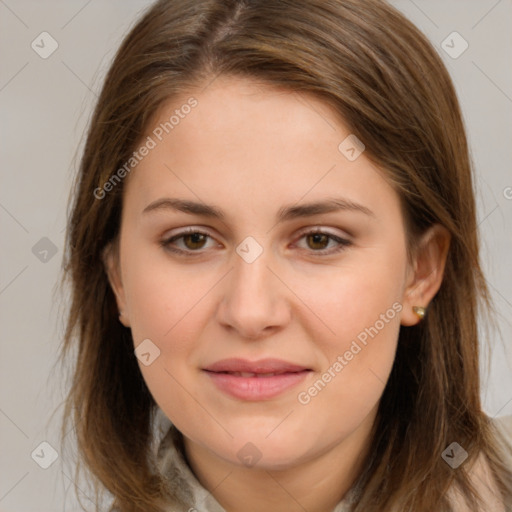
{"x": 481, "y": 474}
{"x": 502, "y": 429}
{"x": 504, "y": 425}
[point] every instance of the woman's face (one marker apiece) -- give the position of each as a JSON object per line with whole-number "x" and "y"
{"x": 261, "y": 340}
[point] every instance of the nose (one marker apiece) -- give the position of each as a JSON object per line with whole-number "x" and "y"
{"x": 255, "y": 301}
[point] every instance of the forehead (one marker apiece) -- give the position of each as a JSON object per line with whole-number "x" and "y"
{"x": 248, "y": 144}
{"x": 230, "y": 111}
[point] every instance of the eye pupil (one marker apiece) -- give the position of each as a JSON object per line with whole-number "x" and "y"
{"x": 319, "y": 238}
{"x": 197, "y": 238}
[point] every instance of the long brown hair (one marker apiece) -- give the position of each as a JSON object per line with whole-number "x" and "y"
{"x": 388, "y": 84}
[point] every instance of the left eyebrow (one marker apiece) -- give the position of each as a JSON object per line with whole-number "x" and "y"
{"x": 285, "y": 213}
{"x": 328, "y": 206}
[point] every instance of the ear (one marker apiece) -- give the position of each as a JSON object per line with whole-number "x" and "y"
{"x": 426, "y": 271}
{"x": 110, "y": 258}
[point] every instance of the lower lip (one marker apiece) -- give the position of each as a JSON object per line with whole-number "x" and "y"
{"x": 256, "y": 388}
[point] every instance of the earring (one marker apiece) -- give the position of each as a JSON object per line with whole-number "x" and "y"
{"x": 420, "y": 311}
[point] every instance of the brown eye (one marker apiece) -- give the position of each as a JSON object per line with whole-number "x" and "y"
{"x": 188, "y": 242}
{"x": 317, "y": 241}
{"x": 194, "y": 240}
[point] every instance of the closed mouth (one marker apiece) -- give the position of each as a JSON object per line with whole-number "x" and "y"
{"x": 254, "y": 374}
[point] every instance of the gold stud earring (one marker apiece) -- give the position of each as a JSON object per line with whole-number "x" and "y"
{"x": 420, "y": 311}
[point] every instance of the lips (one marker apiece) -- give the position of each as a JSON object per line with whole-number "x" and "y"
{"x": 249, "y": 374}
{"x": 255, "y": 380}
{"x": 263, "y": 366}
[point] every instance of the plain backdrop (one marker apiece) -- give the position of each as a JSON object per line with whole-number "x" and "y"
{"x": 45, "y": 104}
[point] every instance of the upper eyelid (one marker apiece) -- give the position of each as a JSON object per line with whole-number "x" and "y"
{"x": 301, "y": 232}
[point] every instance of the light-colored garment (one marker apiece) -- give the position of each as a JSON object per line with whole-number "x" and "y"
{"x": 191, "y": 496}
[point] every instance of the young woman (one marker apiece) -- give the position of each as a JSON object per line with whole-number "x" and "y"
{"x": 274, "y": 262}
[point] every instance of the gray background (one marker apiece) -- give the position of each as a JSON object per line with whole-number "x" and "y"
{"x": 45, "y": 105}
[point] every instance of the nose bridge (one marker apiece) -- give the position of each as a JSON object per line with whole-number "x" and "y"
{"x": 251, "y": 274}
{"x": 253, "y": 300}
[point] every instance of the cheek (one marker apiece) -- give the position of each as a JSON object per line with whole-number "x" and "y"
{"x": 162, "y": 298}
{"x": 167, "y": 306}
{"x": 360, "y": 311}
{"x": 167, "y": 309}
{"x": 357, "y": 367}
{"x": 351, "y": 299}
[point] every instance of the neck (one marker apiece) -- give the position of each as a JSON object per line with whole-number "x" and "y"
{"x": 316, "y": 485}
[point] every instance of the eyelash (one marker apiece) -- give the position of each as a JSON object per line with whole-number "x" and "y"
{"x": 166, "y": 243}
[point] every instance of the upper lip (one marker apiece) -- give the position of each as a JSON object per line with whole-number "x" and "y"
{"x": 260, "y": 366}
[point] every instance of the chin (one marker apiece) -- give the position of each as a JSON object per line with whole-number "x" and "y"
{"x": 258, "y": 449}
{"x": 267, "y": 459}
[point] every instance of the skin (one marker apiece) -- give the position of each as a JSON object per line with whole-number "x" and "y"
{"x": 250, "y": 149}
